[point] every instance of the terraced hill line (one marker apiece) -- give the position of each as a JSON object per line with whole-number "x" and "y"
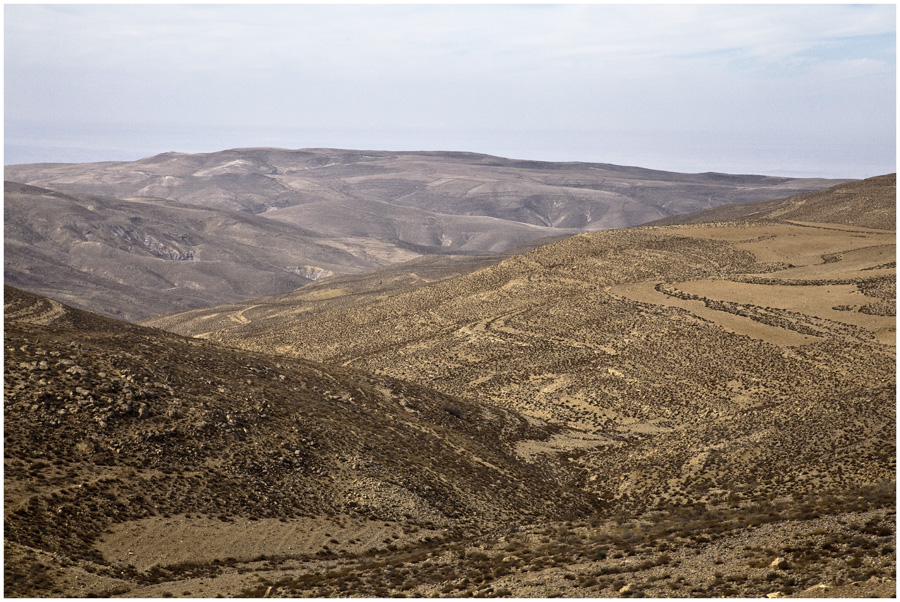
{"x": 652, "y": 294}
{"x": 45, "y": 312}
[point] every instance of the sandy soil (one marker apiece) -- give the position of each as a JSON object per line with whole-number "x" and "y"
{"x": 179, "y": 539}
{"x": 646, "y": 293}
{"x": 813, "y": 300}
{"x": 793, "y": 243}
{"x": 820, "y": 260}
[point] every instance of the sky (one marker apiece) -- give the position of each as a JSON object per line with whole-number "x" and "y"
{"x": 795, "y": 90}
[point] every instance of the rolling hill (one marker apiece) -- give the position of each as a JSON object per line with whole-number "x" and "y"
{"x": 721, "y": 363}
{"x": 180, "y": 231}
{"x": 135, "y": 259}
{"x": 139, "y": 463}
{"x": 870, "y": 203}
{"x": 583, "y": 196}
{"x": 690, "y": 410}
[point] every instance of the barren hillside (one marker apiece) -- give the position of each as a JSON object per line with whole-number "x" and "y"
{"x": 585, "y": 196}
{"x": 696, "y": 410}
{"x": 139, "y": 258}
{"x": 870, "y": 203}
{"x": 142, "y": 464}
{"x": 706, "y": 358}
{"x": 179, "y": 231}
{"x": 112, "y": 430}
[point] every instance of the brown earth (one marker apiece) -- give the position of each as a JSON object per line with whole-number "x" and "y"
{"x": 868, "y": 203}
{"x": 558, "y": 334}
{"x": 727, "y": 363}
{"x": 679, "y": 411}
{"x": 113, "y": 432}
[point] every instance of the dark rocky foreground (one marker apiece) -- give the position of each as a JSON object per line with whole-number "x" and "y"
{"x": 113, "y": 429}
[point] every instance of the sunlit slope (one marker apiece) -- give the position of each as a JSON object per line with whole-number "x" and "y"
{"x": 193, "y": 404}
{"x": 869, "y": 203}
{"x": 142, "y": 464}
{"x": 702, "y": 360}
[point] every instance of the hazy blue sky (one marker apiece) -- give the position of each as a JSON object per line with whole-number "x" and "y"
{"x": 777, "y": 89}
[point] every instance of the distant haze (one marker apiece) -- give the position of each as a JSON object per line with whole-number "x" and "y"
{"x": 799, "y": 90}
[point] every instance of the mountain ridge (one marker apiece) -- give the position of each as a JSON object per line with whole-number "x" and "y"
{"x": 288, "y": 176}
{"x": 834, "y": 204}
{"x": 324, "y": 212}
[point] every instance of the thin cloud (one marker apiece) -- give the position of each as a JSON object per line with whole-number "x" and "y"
{"x": 534, "y": 70}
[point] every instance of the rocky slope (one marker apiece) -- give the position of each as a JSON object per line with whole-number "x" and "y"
{"x": 706, "y": 359}
{"x": 116, "y": 427}
{"x": 141, "y": 464}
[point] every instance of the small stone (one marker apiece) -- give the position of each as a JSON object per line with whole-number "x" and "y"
{"x": 815, "y": 589}
{"x": 779, "y": 563}
{"x": 774, "y": 595}
{"x": 626, "y": 589}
